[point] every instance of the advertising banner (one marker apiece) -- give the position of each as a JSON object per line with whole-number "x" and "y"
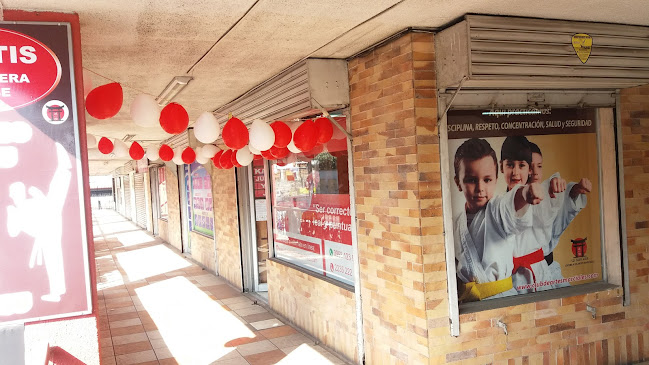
{"x": 44, "y": 271}
{"x": 201, "y": 198}
{"x": 313, "y": 230}
{"x": 525, "y": 200}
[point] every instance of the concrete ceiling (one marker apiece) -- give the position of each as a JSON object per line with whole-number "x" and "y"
{"x": 143, "y": 44}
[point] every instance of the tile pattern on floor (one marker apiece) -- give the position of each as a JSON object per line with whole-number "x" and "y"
{"x": 129, "y": 333}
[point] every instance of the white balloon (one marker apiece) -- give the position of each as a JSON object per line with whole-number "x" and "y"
{"x": 198, "y": 151}
{"x": 120, "y": 149}
{"x": 178, "y": 156}
{"x": 145, "y": 111}
{"x": 152, "y": 153}
{"x": 254, "y": 151}
{"x": 92, "y": 140}
{"x": 209, "y": 150}
{"x": 244, "y": 156}
{"x": 291, "y": 147}
{"x": 262, "y": 136}
{"x": 201, "y": 159}
{"x": 206, "y": 128}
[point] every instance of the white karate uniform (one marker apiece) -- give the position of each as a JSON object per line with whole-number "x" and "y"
{"x": 484, "y": 248}
{"x": 565, "y": 215}
{"x": 550, "y": 218}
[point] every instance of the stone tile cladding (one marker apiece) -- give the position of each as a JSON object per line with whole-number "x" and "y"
{"x": 226, "y": 225}
{"x": 324, "y": 310}
{"x": 401, "y": 247}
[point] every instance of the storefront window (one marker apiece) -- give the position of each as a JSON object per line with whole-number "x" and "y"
{"x": 200, "y": 194}
{"x": 551, "y": 239}
{"x": 311, "y": 210}
{"x": 162, "y": 193}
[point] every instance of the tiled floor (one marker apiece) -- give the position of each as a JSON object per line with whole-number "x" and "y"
{"x": 156, "y": 307}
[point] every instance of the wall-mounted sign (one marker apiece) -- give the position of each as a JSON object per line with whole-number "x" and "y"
{"x": 582, "y": 44}
{"x": 44, "y": 269}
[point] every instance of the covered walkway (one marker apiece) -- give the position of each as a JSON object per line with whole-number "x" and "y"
{"x": 156, "y": 307}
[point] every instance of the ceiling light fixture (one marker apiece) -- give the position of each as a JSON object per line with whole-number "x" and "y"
{"x": 172, "y": 90}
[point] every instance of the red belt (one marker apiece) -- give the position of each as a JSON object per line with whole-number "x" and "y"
{"x": 527, "y": 261}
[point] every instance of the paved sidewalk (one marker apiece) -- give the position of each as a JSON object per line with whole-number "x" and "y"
{"x": 156, "y": 307}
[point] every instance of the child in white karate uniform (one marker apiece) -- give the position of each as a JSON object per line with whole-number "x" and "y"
{"x": 485, "y": 230}
{"x": 549, "y": 218}
{"x": 570, "y": 206}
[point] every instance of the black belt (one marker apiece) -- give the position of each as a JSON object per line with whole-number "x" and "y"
{"x": 549, "y": 258}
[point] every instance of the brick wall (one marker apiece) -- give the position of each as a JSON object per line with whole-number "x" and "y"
{"x": 226, "y": 225}
{"x": 387, "y": 179}
{"x": 326, "y": 311}
{"x": 401, "y": 245}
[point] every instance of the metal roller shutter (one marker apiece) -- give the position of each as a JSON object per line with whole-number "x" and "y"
{"x": 140, "y": 200}
{"x": 127, "y": 197}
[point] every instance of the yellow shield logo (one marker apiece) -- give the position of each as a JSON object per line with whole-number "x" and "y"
{"x": 582, "y": 43}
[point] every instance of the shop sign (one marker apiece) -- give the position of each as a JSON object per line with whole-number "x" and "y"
{"x": 551, "y": 240}
{"x": 44, "y": 269}
{"x": 30, "y": 70}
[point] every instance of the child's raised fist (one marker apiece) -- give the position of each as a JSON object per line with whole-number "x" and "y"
{"x": 582, "y": 187}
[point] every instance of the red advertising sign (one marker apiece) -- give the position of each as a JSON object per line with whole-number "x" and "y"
{"x": 30, "y": 70}
{"x": 259, "y": 179}
{"x": 44, "y": 266}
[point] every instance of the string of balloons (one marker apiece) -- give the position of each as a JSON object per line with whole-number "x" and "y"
{"x": 272, "y": 141}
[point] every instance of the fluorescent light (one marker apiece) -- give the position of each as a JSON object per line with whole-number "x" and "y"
{"x": 172, "y": 90}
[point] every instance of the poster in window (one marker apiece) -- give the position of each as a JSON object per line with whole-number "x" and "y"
{"x": 201, "y": 198}
{"x": 525, "y": 201}
{"x": 312, "y": 215}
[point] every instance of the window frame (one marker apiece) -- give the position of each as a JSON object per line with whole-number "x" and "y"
{"x": 613, "y": 232}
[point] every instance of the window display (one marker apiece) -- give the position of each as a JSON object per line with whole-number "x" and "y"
{"x": 311, "y": 210}
{"x": 525, "y": 201}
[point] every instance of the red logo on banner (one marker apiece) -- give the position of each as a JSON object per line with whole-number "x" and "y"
{"x": 579, "y": 247}
{"x": 29, "y": 70}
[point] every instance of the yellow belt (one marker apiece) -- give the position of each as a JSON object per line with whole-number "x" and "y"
{"x": 470, "y": 292}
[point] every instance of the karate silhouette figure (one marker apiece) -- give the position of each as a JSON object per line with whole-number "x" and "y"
{"x": 41, "y": 217}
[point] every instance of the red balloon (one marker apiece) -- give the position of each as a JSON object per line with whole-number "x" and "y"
{"x": 235, "y": 134}
{"x": 306, "y": 136}
{"x": 267, "y": 155}
{"x": 188, "y": 155}
{"x": 337, "y": 145}
{"x": 166, "y": 153}
{"x": 279, "y": 152}
{"x": 105, "y": 101}
{"x": 226, "y": 159}
{"x": 283, "y": 134}
{"x": 234, "y": 159}
{"x": 258, "y": 157}
{"x": 216, "y": 160}
{"x": 136, "y": 151}
{"x": 174, "y": 118}
{"x": 325, "y": 129}
{"x": 105, "y": 145}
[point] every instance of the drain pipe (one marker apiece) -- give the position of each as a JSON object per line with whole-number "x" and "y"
{"x": 360, "y": 337}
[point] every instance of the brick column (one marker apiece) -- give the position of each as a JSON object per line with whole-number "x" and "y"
{"x": 398, "y": 199}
